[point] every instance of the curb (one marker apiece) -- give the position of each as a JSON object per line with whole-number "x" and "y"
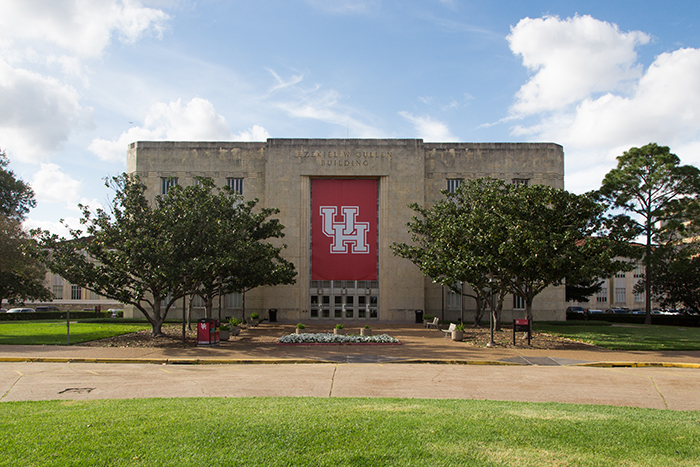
{"x": 640, "y": 365}
{"x": 234, "y": 361}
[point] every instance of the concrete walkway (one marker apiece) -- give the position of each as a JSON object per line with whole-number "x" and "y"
{"x": 425, "y": 365}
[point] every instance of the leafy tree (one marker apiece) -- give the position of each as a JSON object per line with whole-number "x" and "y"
{"x": 501, "y": 238}
{"x": 650, "y": 183}
{"x": 16, "y": 196}
{"x": 457, "y": 240}
{"x": 552, "y": 235}
{"x": 222, "y": 241}
{"x": 675, "y": 279}
{"x": 21, "y": 277}
{"x": 141, "y": 252}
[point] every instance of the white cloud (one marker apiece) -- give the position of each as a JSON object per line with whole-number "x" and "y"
{"x": 572, "y": 59}
{"x": 81, "y": 28}
{"x": 38, "y": 109}
{"x": 37, "y": 113}
{"x": 52, "y": 185}
{"x": 254, "y": 133}
{"x": 57, "y": 228}
{"x": 429, "y": 129}
{"x": 197, "y": 120}
{"x": 616, "y": 106}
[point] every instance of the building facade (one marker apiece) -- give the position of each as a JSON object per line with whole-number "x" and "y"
{"x": 343, "y": 203}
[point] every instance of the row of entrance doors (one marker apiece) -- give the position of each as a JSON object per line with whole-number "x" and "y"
{"x": 344, "y": 300}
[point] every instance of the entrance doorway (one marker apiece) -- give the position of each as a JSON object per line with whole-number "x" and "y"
{"x": 344, "y": 300}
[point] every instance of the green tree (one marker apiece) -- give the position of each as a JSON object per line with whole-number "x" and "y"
{"x": 21, "y": 276}
{"x": 502, "y": 238}
{"x": 675, "y": 279}
{"x": 140, "y": 252}
{"x": 457, "y": 239}
{"x": 651, "y": 185}
{"x": 16, "y": 196}
{"x": 223, "y": 241}
{"x": 554, "y": 235}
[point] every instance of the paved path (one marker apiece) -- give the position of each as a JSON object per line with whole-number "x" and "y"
{"x": 660, "y": 388}
{"x": 424, "y": 366}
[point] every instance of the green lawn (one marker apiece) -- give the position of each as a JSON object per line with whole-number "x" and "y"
{"x": 54, "y": 332}
{"x": 627, "y": 336}
{"x": 339, "y": 432}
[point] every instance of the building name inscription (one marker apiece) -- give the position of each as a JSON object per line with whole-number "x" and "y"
{"x": 342, "y": 158}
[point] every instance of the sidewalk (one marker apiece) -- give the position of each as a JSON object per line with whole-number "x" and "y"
{"x": 418, "y": 345}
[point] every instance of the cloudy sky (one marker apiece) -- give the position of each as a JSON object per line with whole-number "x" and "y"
{"x": 81, "y": 79}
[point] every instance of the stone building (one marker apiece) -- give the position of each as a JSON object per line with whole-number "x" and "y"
{"x": 343, "y": 203}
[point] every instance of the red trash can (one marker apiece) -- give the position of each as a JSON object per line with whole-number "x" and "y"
{"x": 207, "y": 332}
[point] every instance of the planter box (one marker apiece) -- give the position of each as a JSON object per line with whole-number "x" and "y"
{"x": 457, "y": 335}
{"x": 365, "y": 332}
{"x": 224, "y": 335}
{"x": 338, "y": 332}
{"x": 300, "y": 331}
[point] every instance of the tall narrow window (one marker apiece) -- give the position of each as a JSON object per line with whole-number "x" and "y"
{"x": 453, "y": 184}
{"x": 166, "y": 183}
{"x": 57, "y": 286}
{"x": 620, "y": 295}
{"x": 518, "y": 303}
{"x": 236, "y": 184}
{"x": 602, "y": 294}
{"x": 76, "y": 292}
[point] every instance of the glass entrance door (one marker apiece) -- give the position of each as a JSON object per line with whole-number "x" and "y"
{"x": 344, "y": 300}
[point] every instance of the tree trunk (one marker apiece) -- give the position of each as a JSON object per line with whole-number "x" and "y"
{"x": 478, "y": 311}
{"x": 647, "y": 281}
{"x": 499, "y": 309}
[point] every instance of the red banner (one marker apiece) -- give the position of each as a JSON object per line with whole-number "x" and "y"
{"x": 344, "y": 229}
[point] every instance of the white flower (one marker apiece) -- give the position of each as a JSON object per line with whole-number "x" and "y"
{"x": 327, "y": 338}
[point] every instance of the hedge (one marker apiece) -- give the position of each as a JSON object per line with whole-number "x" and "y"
{"x": 37, "y": 315}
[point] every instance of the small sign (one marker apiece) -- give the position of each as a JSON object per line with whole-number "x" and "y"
{"x": 522, "y": 325}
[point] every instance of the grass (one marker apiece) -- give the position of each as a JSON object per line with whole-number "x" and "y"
{"x": 627, "y": 336}
{"x": 54, "y": 332}
{"x": 340, "y": 432}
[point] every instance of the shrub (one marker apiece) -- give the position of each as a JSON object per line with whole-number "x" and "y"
{"x": 301, "y": 326}
{"x": 339, "y": 326}
{"x": 254, "y": 316}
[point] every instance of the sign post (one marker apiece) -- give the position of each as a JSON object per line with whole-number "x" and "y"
{"x": 522, "y": 325}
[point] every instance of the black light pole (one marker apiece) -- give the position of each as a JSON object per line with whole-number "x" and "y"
{"x": 221, "y": 279}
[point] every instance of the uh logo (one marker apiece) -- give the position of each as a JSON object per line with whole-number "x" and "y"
{"x": 345, "y": 233}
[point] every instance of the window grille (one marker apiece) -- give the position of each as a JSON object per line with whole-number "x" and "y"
{"x": 76, "y": 292}
{"x": 57, "y": 287}
{"x": 453, "y": 184}
{"x": 236, "y": 184}
{"x": 518, "y": 303}
{"x": 620, "y": 295}
{"x": 233, "y": 300}
{"x": 166, "y": 183}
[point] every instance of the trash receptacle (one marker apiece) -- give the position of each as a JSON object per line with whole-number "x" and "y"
{"x": 272, "y": 312}
{"x": 207, "y": 332}
{"x": 419, "y": 316}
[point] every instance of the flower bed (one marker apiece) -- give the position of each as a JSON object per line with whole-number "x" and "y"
{"x": 328, "y": 338}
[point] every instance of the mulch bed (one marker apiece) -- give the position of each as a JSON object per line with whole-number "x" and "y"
{"x": 473, "y": 337}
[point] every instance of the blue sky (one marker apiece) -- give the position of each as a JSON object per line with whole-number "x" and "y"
{"x": 81, "y": 79}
